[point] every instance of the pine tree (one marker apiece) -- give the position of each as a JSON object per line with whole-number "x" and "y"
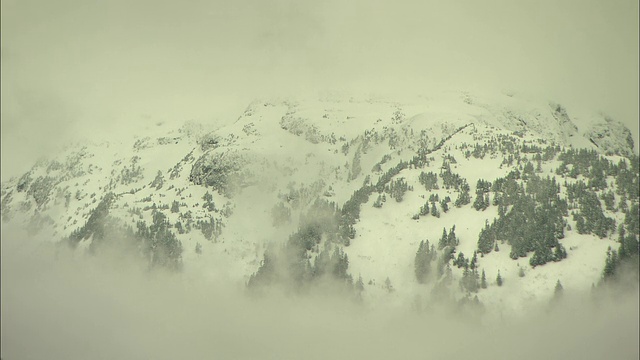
{"x": 469, "y": 280}
{"x": 542, "y": 254}
{"x": 499, "y": 279}
{"x": 340, "y": 262}
{"x": 460, "y": 261}
{"x": 559, "y": 253}
{"x": 581, "y": 226}
{"x": 175, "y": 207}
{"x": 387, "y": 285}
{"x": 478, "y": 203}
{"x": 443, "y": 240}
{"x": 378, "y": 202}
{"x": 557, "y": 292}
{"x": 359, "y": 284}
{"x": 452, "y": 240}
{"x": 611, "y": 263}
{"x": 632, "y": 219}
{"x": 486, "y": 239}
{"x": 474, "y": 261}
{"x": 424, "y": 210}
{"x": 444, "y": 205}
{"x": 483, "y": 280}
{"x": 422, "y": 262}
{"x": 434, "y": 210}
{"x": 463, "y": 198}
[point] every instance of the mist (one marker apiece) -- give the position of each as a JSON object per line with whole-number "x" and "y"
{"x": 57, "y": 304}
{"x": 76, "y": 70}
{"x": 72, "y": 69}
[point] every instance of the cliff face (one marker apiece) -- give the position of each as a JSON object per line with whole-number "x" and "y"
{"x": 611, "y": 137}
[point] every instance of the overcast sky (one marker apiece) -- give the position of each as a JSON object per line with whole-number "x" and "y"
{"x": 71, "y": 65}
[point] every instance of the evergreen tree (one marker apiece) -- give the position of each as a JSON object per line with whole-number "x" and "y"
{"x": 378, "y": 202}
{"x": 387, "y": 285}
{"x": 486, "y": 239}
{"x": 528, "y": 170}
{"x": 340, "y": 262}
{"x": 474, "y": 261}
{"x": 469, "y": 280}
{"x": 499, "y": 279}
{"x": 630, "y": 245}
{"x": 581, "y": 226}
{"x": 622, "y": 251}
{"x": 558, "y": 290}
{"x": 179, "y": 227}
{"x": 609, "y": 200}
{"x": 359, "y": 284}
{"x": 611, "y": 264}
{"x": 160, "y": 245}
{"x": 444, "y": 204}
{"x": 424, "y": 209}
{"x": 434, "y": 210}
{"x": 521, "y": 272}
{"x": 460, "y": 261}
{"x": 542, "y": 255}
{"x": 479, "y": 203}
{"x": 559, "y": 253}
{"x": 443, "y": 240}
{"x": 632, "y": 219}
{"x": 422, "y": 262}
{"x": 483, "y": 280}
{"x": 463, "y": 198}
{"x": 452, "y": 240}
{"x": 429, "y": 180}
{"x": 622, "y": 205}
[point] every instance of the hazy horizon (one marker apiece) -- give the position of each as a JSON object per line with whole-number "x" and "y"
{"x": 70, "y": 67}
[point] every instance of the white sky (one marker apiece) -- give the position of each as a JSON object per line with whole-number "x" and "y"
{"x": 72, "y": 66}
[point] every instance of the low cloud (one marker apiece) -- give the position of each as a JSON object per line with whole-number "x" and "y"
{"x": 58, "y": 305}
{"x": 73, "y": 71}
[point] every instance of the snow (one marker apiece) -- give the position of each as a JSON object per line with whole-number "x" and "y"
{"x": 387, "y": 238}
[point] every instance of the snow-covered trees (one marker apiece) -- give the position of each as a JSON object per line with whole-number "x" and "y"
{"x": 482, "y": 195}
{"x": 448, "y": 239}
{"x": 429, "y": 180}
{"x": 558, "y": 290}
{"x": 483, "y": 280}
{"x": 396, "y": 189}
{"x": 208, "y": 204}
{"x": 280, "y": 214}
{"x": 160, "y": 244}
{"x": 486, "y": 239}
{"x": 422, "y": 261}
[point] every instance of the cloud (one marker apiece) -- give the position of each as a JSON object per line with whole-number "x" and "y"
{"x": 105, "y": 63}
{"x": 59, "y": 305}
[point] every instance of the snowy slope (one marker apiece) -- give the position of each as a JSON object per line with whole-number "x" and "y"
{"x": 295, "y": 151}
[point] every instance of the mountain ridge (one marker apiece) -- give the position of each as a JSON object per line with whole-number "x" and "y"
{"x": 238, "y": 189}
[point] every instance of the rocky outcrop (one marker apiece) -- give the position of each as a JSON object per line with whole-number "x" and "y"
{"x": 611, "y": 137}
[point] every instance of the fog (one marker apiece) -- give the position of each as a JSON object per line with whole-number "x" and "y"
{"x": 57, "y": 305}
{"x": 73, "y": 68}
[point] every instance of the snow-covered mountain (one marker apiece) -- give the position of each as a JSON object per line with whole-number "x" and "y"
{"x": 356, "y": 184}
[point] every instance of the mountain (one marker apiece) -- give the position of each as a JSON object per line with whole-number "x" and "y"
{"x": 401, "y": 201}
